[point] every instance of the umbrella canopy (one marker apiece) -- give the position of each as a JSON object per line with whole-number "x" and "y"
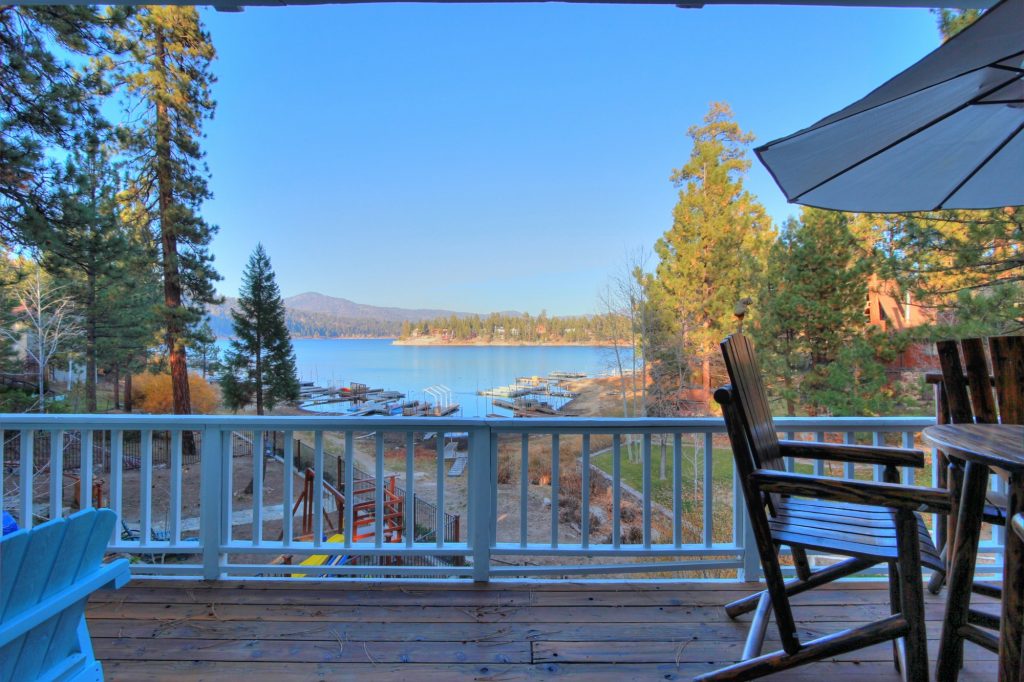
{"x": 947, "y": 133}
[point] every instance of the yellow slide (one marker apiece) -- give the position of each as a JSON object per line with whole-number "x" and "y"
{"x": 321, "y": 559}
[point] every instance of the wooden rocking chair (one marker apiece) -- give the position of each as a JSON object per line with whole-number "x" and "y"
{"x": 871, "y": 523}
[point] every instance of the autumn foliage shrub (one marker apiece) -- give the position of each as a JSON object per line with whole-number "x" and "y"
{"x": 152, "y": 393}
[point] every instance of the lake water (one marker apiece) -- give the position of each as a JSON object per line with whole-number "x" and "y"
{"x": 463, "y": 369}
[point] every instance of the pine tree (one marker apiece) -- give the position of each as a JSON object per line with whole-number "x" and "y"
{"x": 166, "y": 83}
{"x": 711, "y": 256}
{"x": 104, "y": 267}
{"x": 260, "y": 363}
{"x": 811, "y": 332}
{"x": 46, "y": 99}
{"x": 204, "y": 353}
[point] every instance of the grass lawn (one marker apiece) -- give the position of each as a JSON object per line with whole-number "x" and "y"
{"x": 692, "y": 469}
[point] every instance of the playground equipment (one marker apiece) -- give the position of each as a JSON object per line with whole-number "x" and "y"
{"x": 365, "y": 516}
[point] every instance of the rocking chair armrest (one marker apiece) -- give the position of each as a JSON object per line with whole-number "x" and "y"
{"x": 892, "y": 495}
{"x": 861, "y": 454}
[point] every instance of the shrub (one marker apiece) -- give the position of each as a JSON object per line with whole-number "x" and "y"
{"x": 506, "y": 469}
{"x": 152, "y": 393}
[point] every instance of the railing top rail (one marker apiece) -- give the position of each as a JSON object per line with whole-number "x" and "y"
{"x": 427, "y": 424}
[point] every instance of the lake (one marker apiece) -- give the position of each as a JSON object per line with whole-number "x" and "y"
{"x": 463, "y": 369}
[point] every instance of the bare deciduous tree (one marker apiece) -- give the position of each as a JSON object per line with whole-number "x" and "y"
{"x": 46, "y": 320}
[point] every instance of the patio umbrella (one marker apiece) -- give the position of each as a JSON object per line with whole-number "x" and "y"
{"x": 947, "y": 133}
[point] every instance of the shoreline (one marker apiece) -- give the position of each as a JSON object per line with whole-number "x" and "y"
{"x": 434, "y": 341}
{"x": 452, "y": 344}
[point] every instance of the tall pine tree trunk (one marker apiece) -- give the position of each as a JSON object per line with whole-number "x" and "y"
{"x": 169, "y": 244}
{"x": 259, "y": 375}
{"x": 128, "y": 392}
{"x": 90, "y": 346}
{"x": 117, "y": 386}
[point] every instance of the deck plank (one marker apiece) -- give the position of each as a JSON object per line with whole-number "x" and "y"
{"x": 289, "y": 630}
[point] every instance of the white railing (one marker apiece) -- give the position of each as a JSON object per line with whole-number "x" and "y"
{"x": 538, "y": 496}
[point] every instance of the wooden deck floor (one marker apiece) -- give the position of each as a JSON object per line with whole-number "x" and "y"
{"x": 416, "y": 632}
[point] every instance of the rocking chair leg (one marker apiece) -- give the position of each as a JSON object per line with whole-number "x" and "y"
{"x": 816, "y": 650}
{"x": 802, "y": 565}
{"x": 758, "y": 627}
{"x": 938, "y": 578}
{"x": 819, "y": 577}
{"x": 911, "y": 597}
{"x": 895, "y": 601}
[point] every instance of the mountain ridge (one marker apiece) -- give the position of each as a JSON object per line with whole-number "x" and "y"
{"x": 313, "y": 314}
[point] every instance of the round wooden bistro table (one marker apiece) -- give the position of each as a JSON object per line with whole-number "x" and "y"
{"x": 982, "y": 447}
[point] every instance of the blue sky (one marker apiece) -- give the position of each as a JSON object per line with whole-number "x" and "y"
{"x": 499, "y": 157}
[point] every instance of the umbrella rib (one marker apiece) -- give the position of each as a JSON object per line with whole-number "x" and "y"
{"x": 894, "y": 143}
{"x": 994, "y": 65}
{"x": 981, "y": 165}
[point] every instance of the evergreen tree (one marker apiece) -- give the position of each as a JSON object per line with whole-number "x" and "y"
{"x": 104, "y": 267}
{"x": 204, "y": 353}
{"x": 166, "y": 82}
{"x": 45, "y": 99}
{"x": 260, "y": 363}
{"x": 711, "y": 256}
{"x": 811, "y": 334}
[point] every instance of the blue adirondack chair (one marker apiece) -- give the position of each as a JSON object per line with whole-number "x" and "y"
{"x": 46, "y": 576}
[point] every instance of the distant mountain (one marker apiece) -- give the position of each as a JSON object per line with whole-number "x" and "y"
{"x": 312, "y": 302}
{"x": 318, "y": 315}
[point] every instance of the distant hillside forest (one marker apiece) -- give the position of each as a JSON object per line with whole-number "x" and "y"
{"x": 319, "y": 325}
{"x": 524, "y": 328}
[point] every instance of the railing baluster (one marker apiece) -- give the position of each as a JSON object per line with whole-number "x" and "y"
{"x": 116, "y": 478}
{"x": 409, "y": 505}
{"x": 878, "y": 440}
{"x": 175, "y": 476}
{"x": 350, "y": 456}
{"x": 227, "y": 473}
{"x": 318, "y": 487}
{"x": 439, "y": 492}
{"x": 616, "y": 490}
{"x": 908, "y": 443}
{"x": 257, "y": 487}
{"x": 585, "y": 493}
{"x": 85, "y": 471}
{"x": 145, "y": 486}
{"x": 819, "y": 465}
{"x": 555, "y": 474}
{"x": 524, "y": 487}
{"x": 849, "y": 469}
{"x": 378, "y": 490}
{"x": 709, "y": 487}
{"x": 490, "y": 439}
{"x": 647, "y": 490}
{"x": 790, "y": 464}
{"x": 677, "y": 487}
{"x": 288, "y": 475}
{"x": 25, "y": 470}
{"x": 57, "y": 475}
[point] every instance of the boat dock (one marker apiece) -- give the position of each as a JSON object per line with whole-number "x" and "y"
{"x": 365, "y": 401}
